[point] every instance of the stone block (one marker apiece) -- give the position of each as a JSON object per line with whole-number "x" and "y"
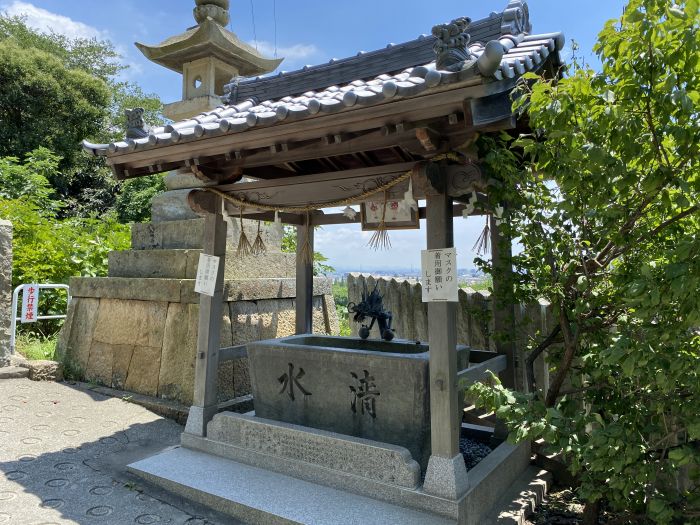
{"x": 176, "y": 374}
{"x": 182, "y": 264}
{"x": 75, "y": 338}
{"x": 354, "y": 456}
{"x": 100, "y": 363}
{"x": 172, "y": 206}
{"x": 330, "y": 314}
{"x": 144, "y": 368}
{"x": 184, "y": 179}
{"x": 276, "y": 317}
{"x": 245, "y": 322}
{"x": 5, "y": 290}
{"x": 170, "y": 235}
{"x": 446, "y": 477}
{"x": 241, "y": 377}
{"x": 274, "y": 264}
{"x": 158, "y": 264}
{"x": 371, "y": 389}
{"x": 137, "y": 323}
{"x": 176, "y": 377}
{"x": 271, "y": 233}
{"x": 255, "y": 289}
{"x": 45, "y": 371}
{"x": 163, "y": 290}
{"x": 121, "y": 355}
{"x": 13, "y": 372}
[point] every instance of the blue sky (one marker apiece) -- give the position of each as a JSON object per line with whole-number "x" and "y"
{"x": 309, "y": 32}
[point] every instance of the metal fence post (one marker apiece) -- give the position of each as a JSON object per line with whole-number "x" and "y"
{"x": 15, "y": 300}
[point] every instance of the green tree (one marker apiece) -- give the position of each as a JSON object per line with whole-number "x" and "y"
{"x": 56, "y": 91}
{"x": 47, "y": 249}
{"x": 134, "y": 201}
{"x": 289, "y": 245}
{"x": 42, "y": 103}
{"x": 603, "y": 198}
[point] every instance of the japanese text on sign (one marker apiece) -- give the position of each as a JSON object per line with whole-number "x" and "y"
{"x": 207, "y": 271}
{"x": 30, "y": 303}
{"x": 439, "y": 275}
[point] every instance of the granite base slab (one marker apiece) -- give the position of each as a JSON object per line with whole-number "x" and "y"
{"x": 258, "y": 496}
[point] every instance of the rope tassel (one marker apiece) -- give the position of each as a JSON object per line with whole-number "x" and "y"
{"x": 380, "y": 239}
{"x": 483, "y": 243}
{"x": 244, "y": 248}
{"x": 305, "y": 251}
{"x": 258, "y": 247}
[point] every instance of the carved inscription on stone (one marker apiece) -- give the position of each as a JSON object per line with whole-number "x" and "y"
{"x": 289, "y": 380}
{"x": 364, "y": 394}
{"x": 354, "y": 458}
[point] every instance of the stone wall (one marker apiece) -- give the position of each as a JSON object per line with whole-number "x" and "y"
{"x": 474, "y": 320}
{"x": 136, "y": 330}
{"x": 140, "y": 335}
{"x": 5, "y": 290}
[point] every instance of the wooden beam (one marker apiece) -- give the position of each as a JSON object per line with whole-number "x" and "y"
{"x": 339, "y": 218}
{"x": 429, "y": 139}
{"x": 268, "y": 216}
{"x": 457, "y": 180}
{"x": 305, "y": 279}
{"x": 204, "y": 401}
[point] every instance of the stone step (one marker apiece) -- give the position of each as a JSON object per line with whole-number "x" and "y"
{"x": 520, "y": 499}
{"x": 13, "y": 372}
{"x": 182, "y": 290}
{"x": 182, "y": 264}
{"x": 257, "y": 496}
{"x": 187, "y": 234}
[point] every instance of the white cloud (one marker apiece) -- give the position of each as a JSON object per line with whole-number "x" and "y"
{"x": 47, "y": 21}
{"x": 291, "y": 53}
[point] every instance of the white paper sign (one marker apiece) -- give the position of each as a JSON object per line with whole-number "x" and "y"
{"x": 439, "y": 275}
{"x": 207, "y": 270}
{"x": 30, "y": 303}
{"x": 396, "y": 211}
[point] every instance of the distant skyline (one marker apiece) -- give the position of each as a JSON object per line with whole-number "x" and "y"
{"x": 309, "y": 32}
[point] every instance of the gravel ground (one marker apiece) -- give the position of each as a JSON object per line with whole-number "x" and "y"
{"x": 473, "y": 451}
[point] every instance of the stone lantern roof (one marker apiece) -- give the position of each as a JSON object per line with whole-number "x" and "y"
{"x": 208, "y": 55}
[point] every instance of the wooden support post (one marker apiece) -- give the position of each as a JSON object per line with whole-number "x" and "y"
{"x": 204, "y": 404}
{"x": 305, "y": 278}
{"x": 446, "y": 474}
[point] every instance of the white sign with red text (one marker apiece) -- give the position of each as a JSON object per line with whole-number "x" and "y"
{"x": 30, "y": 303}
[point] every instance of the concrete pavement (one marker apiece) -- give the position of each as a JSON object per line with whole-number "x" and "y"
{"x": 63, "y": 453}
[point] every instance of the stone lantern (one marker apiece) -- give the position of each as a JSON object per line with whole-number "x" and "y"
{"x": 207, "y": 55}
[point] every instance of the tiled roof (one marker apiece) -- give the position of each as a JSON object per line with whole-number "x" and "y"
{"x": 520, "y": 54}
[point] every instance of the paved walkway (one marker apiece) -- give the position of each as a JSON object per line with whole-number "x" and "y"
{"x": 63, "y": 452}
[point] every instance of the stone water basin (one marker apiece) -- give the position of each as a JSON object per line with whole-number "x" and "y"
{"x": 372, "y": 389}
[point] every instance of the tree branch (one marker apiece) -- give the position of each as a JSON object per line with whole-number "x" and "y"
{"x": 570, "y": 344}
{"x": 530, "y": 361}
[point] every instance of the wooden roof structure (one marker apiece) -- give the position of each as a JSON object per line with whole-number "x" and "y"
{"x": 324, "y": 132}
{"x": 342, "y": 132}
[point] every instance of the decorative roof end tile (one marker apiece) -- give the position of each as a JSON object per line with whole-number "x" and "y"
{"x": 516, "y": 18}
{"x": 451, "y": 44}
{"x": 136, "y": 127}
